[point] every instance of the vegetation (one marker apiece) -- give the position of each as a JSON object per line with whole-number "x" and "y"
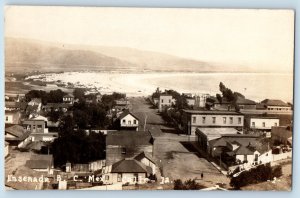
{"x": 187, "y": 185}
{"x": 55, "y": 96}
{"x": 76, "y": 146}
{"x": 259, "y": 174}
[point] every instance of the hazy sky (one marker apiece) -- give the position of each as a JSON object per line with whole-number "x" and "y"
{"x": 261, "y": 39}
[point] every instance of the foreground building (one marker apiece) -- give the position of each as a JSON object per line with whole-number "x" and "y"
{"x": 127, "y": 144}
{"x": 193, "y": 119}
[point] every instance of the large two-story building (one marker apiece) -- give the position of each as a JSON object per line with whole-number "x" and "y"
{"x": 164, "y": 102}
{"x": 193, "y": 119}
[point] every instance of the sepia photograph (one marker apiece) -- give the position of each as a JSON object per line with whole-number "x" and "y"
{"x": 111, "y": 98}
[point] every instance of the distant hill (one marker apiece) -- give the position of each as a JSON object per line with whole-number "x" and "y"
{"x": 24, "y": 55}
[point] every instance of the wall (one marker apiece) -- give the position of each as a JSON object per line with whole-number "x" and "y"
{"x": 150, "y": 164}
{"x": 129, "y": 118}
{"x": 281, "y": 156}
{"x": 269, "y": 122}
{"x": 164, "y": 101}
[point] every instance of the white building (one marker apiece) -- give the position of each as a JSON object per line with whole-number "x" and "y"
{"x": 164, "y": 102}
{"x": 128, "y": 120}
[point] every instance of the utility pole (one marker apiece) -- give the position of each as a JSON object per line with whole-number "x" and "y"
{"x": 145, "y": 122}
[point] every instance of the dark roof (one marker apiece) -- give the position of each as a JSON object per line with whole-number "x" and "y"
{"x": 125, "y": 113}
{"x": 130, "y": 166}
{"x": 68, "y": 96}
{"x": 129, "y": 138}
{"x": 17, "y": 131}
{"x": 142, "y": 155}
{"x": 57, "y": 105}
{"x": 212, "y": 112}
{"x": 244, "y": 101}
{"x": 270, "y": 102}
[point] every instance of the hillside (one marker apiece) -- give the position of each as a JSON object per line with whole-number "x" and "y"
{"x": 30, "y": 55}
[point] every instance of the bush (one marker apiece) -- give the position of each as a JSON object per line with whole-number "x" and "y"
{"x": 259, "y": 174}
{"x": 187, "y": 185}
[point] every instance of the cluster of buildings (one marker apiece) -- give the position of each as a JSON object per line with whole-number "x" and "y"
{"x": 234, "y": 138}
{"x": 129, "y": 151}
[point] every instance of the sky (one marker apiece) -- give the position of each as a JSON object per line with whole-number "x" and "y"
{"x": 257, "y": 39}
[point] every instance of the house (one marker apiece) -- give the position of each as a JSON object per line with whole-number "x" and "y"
{"x": 127, "y": 144}
{"x": 130, "y": 171}
{"x": 204, "y": 135}
{"x": 164, "y": 102}
{"x": 127, "y": 120}
{"x": 275, "y": 105}
{"x": 41, "y": 163}
{"x": 15, "y": 106}
{"x": 12, "y": 117}
{"x": 69, "y": 99}
{"x": 282, "y": 135}
{"x": 192, "y": 119}
{"x": 240, "y": 149}
{"x": 38, "y": 129}
{"x": 263, "y": 124}
{"x": 146, "y": 159}
{"x": 56, "y": 107}
{"x": 241, "y": 102}
{"x": 14, "y": 134}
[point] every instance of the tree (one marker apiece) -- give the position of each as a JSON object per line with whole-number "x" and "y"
{"x": 187, "y": 185}
{"x": 79, "y": 93}
{"x": 219, "y": 98}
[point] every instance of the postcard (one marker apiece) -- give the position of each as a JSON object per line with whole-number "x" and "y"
{"x": 106, "y": 98}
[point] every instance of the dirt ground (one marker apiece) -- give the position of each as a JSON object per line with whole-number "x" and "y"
{"x": 173, "y": 151}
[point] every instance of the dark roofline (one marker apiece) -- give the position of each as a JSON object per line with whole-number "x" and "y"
{"x": 211, "y": 112}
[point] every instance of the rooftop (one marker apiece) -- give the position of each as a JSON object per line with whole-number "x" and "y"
{"x": 17, "y": 131}
{"x": 129, "y": 138}
{"x": 125, "y": 113}
{"x": 130, "y": 166}
{"x": 271, "y": 102}
{"x": 213, "y": 133}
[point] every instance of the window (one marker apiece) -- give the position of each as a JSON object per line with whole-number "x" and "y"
{"x": 275, "y": 124}
{"x": 239, "y": 120}
{"x": 6, "y": 118}
{"x": 214, "y": 120}
{"x": 194, "y": 119}
{"x": 203, "y": 120}
{"x": 162, "y": 100}
{"x": 253, "y": 124}
{"x": 33, "y": 127}
{"x": 106, "y": 177}
{"x": 39, "y": 127}
{"x": 169, "y": 100}
{"x": 224, "y": 120}
{"x": 134, "y": 121}
{"x": 129, "y": 122}
{"x": 119, "y": 177}
{"x": 264, "y": 124}
{"x": 124, "y": 121}
{"x": 231, "y": 120}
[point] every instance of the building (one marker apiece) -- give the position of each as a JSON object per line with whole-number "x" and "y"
{"x": 41, "y": 163}
{"x": 146, "y": 159}
{"x": 164, "y": 102}
{"x": 130, "y": 171}
{"x": 127, "y": 144}
{"x": 121, "y": 104}
{"x": 282, "y": 135}
{"x": 275, "y": 105}
{"x": 14, "y": 134}
{"x": 38, "y": 129}
{"x": 128, "y": 120}
{"x": 263, "y": 124}
{"x": 240, "y": 149}
{"x": 205, "y": 135}
{"x": 200, "y": 100}
{"x": 12, "y": 117}
{"x": 69, "y": 99}
{"x": 242, "y": 103}
{"x": 192, "y": 119}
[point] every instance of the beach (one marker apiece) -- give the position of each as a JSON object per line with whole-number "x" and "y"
{"x": 256, "y": 86}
